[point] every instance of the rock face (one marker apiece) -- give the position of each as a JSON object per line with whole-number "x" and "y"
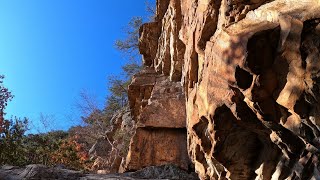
{"x": 158, "y": 106}
{"x": 247, "y": 74}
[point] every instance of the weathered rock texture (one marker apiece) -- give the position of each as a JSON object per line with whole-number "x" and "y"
{"x": 249, "y": 71}
{"x": 158, "y": 106}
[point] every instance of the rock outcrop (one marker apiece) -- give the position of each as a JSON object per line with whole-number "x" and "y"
{"x": 237, "y": 82}
{"x": 36, "y": 171}
{"x": 158, "y": 106}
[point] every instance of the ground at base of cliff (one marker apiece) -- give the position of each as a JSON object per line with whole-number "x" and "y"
{"x": 41, "y": 172}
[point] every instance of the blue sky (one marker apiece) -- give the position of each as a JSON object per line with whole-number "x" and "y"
{"x": 50, "y": 50}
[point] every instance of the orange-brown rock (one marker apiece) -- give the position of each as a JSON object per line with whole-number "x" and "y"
{"x": 249, "y": 71}
{"x": 158, "y": 105}
{"x": 158, "y": 146}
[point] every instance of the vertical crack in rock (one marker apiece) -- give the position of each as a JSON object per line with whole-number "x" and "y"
{"x": 177, "y": 60}
{"x": 194, "y": 64}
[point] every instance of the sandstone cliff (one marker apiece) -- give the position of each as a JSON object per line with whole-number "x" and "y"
{"x": 237, "y": 82}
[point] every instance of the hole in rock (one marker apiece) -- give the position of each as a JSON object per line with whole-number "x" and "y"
{"x": 262, "y": 50}
{"x": 302, "y": 107}
{"x": 201, "y": 129}
{"x": 244, "y": 78}
{"x": 281, "y": 68}
{"x": 307, "y": 133}
{"x": 224, "y": 120}
{"x": 241, "y": 152}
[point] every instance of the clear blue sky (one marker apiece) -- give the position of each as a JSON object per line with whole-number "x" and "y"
{"x": 52, "y": 49}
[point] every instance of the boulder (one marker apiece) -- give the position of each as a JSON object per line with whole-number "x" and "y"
{"x": 36, "y": 171}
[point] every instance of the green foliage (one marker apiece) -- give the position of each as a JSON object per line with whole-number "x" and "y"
{"x": 118, "y": 89}
{"x": 39, "y": 147}
{"x": 5, "y": 96}
{"x": 11, "y": 141}
{"x": 51, "y": 148}
{"x": 129, "y": 46}
{"x": 130, "y": 69}
{"x": 11, "y": 131}
{"x": 56, "y": 147}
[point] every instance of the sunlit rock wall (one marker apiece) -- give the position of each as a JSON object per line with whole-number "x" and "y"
{"x": 242, "y": 76}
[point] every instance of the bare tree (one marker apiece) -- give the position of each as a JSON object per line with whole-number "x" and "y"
{"x": 47, "y": 121}
{"x": 150, "y": 9}
{"x": 87, "y": 103}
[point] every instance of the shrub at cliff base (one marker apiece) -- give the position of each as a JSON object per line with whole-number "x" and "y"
{"x": 52, "y": 148}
